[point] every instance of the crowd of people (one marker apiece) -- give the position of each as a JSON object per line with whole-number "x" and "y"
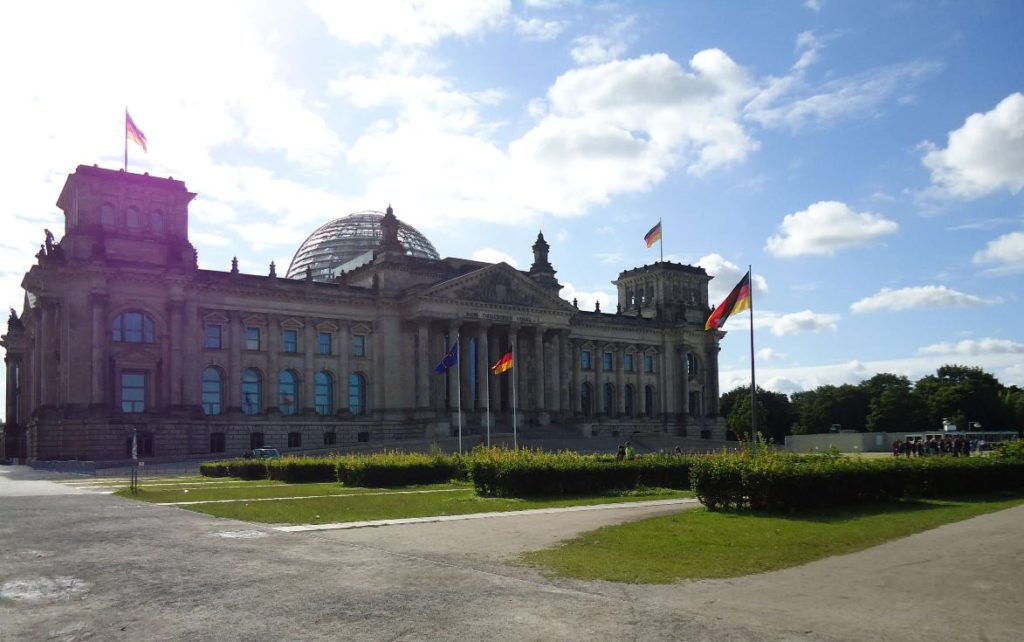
{"x": 957, "y": 446}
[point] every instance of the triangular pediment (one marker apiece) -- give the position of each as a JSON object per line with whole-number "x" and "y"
{"x": 498, "y": 284}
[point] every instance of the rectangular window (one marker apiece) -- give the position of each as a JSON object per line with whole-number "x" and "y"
{"x": 330, "y": 438}
{"x": 358, "y": 345}
{"x": 133, "y": 392}
{"x": 289, "y": 341}
{"x": 252, "y": 338}
{"x": 294, "y": 439}
{"x": 585, "y": 360}
{"x": 213, "y": 337}
{"x": 608, "y": 361}
{"x": 217, "y": 443}
{"x": 324, "y": 343}
{"x": 628, "y": 362}
{"x": 649, "y": 363}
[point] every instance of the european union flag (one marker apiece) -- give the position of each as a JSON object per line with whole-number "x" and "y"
{"x": 448, "y": 360}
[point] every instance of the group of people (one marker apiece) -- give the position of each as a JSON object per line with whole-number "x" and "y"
{"x": 958, "y": 446}
{"x": 625, "y": 451}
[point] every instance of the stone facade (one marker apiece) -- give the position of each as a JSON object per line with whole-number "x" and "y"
{"x": 122, "y": 332}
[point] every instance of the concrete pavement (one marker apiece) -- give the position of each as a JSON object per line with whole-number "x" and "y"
{"x": 82, "y": 566}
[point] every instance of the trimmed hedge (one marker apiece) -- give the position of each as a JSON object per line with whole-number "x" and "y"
{"x": 524, "y": 473}
{"x": 786, "y": 483}
{"x": 240, "y": 468}
{"x": 389, "y": 469}
{"x": 303, "y": 470}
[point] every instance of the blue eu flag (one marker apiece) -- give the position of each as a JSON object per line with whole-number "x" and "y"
{"x": 448, "y": 360}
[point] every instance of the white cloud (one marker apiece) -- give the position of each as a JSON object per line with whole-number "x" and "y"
{"x": 984, "y": 156}
{"x": 726, "y": 275}
{"x": 491, "y": 255}
{"x": 917, "y": 298}
{"x": 586, "y": 300}
{"x": 808, "y": 45}
{"x": 408, "y": 22}
{"x": 608, "y": 45}
{"x": 537, "y": 29}
{"x": 770, "y": 354}
{"x": 1006, "y": 253}
{"x": 825, "y": 227}
{"x": 804, "y": 321}
{"x": 610, "y": 258}
{"x": 974, "y": 347}
{"x": 789, "y": 102}
{"x": 814, "y": 5}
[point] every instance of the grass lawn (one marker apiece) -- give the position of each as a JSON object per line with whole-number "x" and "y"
{"x": 699, "y": 544}
{"x": 329, "y": 503}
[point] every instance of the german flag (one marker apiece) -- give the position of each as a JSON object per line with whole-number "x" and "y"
{"x": 737, "y": 301}
{"x": 654, "y": 235}
{"x": 504, "y": 364}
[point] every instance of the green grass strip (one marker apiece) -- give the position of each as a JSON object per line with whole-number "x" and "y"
{"x": 259, "y": 490}
{"x": 365, "y": 504}
{"x": 699, "y": 544}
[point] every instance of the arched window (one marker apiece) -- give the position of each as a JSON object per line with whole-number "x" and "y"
{"x": 156, "y": 221}
{"x": 357, "y": 394}
{"x": 107, "y": 214}
{"x": 252, "y": 392}
{"x": 324, "y": 393}
{"x": 134, "y": 327}
{"x": 630, "y": 411}
{"x": 213, "y": 391}
{"x": 649, "y": 401}
{"x": 609, "y": 399}
{"x": 288, "y": 392}
{"x": 586, "y": 399}
{"x": 131, "y": 218}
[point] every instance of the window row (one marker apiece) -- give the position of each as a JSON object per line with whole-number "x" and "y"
{"x": 218, "y": 441}
{"x": 629, "y": 363}
{"x": 288, "y": 392}
{"x": 132, "y": 219}
{"x": 215, "y": 335}
{"x": 589, "y": 403}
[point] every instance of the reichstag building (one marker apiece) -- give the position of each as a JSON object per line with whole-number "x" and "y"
{"x": 121, "y": 332}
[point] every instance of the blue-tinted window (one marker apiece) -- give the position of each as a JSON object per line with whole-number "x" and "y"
{"x": 213, "y": 391}
{"x": 134, "y": 327}
{"x": 133, "y": 392}
{"x": 585, "y": 363}
{"x": 324, "y": 343}
{"x": 324, "y": 393}
{"x": 357, "y": 394}
{"x": 288, "y": 390}
{"x": 214, "y": 337}
{"x": 628, "y": 362}
{"x": 252, "y": 338}
{"x": 252, "y": 392}
{"x": 289, "y": 340}
{"x": 358, "y": 345}
{"x": 649, "y": 363}
{"x": 607, "y": 361}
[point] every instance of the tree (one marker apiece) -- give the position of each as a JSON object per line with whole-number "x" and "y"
{"x": 961, "y": 394}
{"x": 775, "y": 414}
{"x": 817, "y": 410}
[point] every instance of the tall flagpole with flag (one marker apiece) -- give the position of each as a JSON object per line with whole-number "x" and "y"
{"x": 740, "y": 299}
{"x": 505, "y": 363}
{"x": 449, "y": 360}
{"x": 515, "y": 431}
{"x": 488, "y": 394}
{"x": 654, "y": 235}
{"x": 134, "y": 133}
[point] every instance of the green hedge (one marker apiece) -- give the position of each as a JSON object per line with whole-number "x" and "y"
{"x": 240, "y": 468}
{"x": 389, "y": 469}
{"x": 524, "y": 473}
{"x": 303, "y": 470}
{"x": 782, "y": 482}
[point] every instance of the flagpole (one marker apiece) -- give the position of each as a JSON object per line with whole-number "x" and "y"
{"x": 126, "y": 139}
{"x": 515, "y": 375}
{"x": 458, "y": 387}
{"x": 661, "y": 242}
{"x": 753, "y": 381}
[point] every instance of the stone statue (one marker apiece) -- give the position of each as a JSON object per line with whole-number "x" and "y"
{"x": 273, "y": 270}
{"x": 49, "y": 240}
{"x": 234, "y": 265}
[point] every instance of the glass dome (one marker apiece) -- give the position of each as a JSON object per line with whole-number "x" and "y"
{"x": 345, "y": 239}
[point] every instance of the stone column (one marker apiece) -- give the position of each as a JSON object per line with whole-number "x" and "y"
{"x": 47, "y": 379}
{"x": 308, "y": 384}
{"x": 493, "y": 354}
{"x": 177, "y": 374}
{"x": 423, "y": 358}
{"x": 99, "y": 342}
{"x": 620, "y": 381}
{"x": 538, "y": 379}
{"x": 572, "y": 365}
{"x": 236, "y": 332}
{"x": 464, "y": 371}
{"x": 712, "y": 381}
{"x": 344, "y": 353}
{"x": 685, "y": 387}
{"x": 514, "y": 387}
{"x": 482, "y": 350}
{"x": 272, "y": 346}
{"x": 639, "y": 396}
{"x": 452, "y": 376}
{"x": 598, "y": 396}
{"x": 555, "y": 381}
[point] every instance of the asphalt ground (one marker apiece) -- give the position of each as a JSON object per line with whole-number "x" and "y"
{"x": 79, "y": 565}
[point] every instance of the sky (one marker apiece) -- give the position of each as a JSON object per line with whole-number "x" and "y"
{"x": 866, "y": 159}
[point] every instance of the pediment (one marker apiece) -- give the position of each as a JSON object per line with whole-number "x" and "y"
{"x": 327, "y": 326}
{"x": 360, "y": 328}
{"x": 254, "y": 320}
{"x": 291, "y": 323}
{"x": 215, "y": 318}
{"x": 498, "y": 284}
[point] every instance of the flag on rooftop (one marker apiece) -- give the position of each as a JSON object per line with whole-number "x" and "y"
{"x": 654, "y": 235}
{"x": 737, "y": 301}
{"x": 133, "y": 132}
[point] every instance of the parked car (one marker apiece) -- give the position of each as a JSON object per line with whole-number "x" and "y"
{"x": 265, "y": 453}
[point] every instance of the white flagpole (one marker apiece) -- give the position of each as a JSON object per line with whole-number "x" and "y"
{"x": 458, "y": 384}
{"x": 753, "y": 382}
{"x": 515, "y": 373}
{"x": 661, "y": 242}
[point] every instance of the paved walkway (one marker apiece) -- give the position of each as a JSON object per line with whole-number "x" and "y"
{"x": 82, "y": 566}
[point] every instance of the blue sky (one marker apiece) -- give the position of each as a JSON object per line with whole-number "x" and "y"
{"x": 866, "y": 158}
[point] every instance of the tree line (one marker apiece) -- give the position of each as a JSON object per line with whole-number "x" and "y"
{"x": 968, "y": 397}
